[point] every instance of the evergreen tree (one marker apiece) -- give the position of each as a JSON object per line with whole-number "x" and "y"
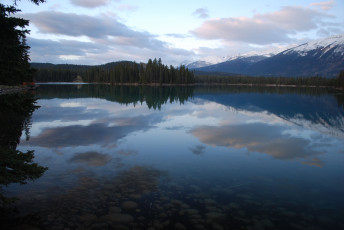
{"x": 14, "y": 52}
{"x": 340, "y": 79}
{"x": 117, "y": 72}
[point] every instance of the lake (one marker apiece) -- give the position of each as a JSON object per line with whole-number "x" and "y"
{"x": 129, "y": 157}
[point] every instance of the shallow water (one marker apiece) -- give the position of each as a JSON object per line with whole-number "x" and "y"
{"x": 184, "y": 158}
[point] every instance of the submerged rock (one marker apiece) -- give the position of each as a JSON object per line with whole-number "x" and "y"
{"x": 98, "y": 226}
{"x": 212, "y": 216}
{"x": 117, "y": 218}
{"x": 199, "y": 227}
{"x": 121, "y": 227}
{"x": 88, "y": 218}
{"x": 179, "y": 226}
{"x": 114, "y": 209}
{"x": 129, "y": 205}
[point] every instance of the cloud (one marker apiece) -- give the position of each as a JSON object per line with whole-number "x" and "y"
{"x": 273, "y": 27}
{"x": 127, "y": 152}
{"x": 103, "y": 30}
{"x": 142, "y": 39}
{"x": 293, "y": 18}
{"x": 90, "y": 3}
{"x": 177, "y": 35}
{"x": 198, "y": 149}
{"x": 91, "y": 158}
{"x": 109, "y": 40}
{"x": 58, "y": 23}
{"x": 127, "y": 7}
{"x": 257, "y": 138}
{"x": 201, "y": 13}
{"x": 324, "y": 5}
{"x": 43, "y": 50}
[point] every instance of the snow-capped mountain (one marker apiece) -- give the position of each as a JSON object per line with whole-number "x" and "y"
{"x": 323, "y": 57}
{"x": 333, "y": 44}
{"x": 198, "y": 64}
{"x": 250, "y": 57}
{"x": 206, "y": 61}
{"x": 259, "y": 53}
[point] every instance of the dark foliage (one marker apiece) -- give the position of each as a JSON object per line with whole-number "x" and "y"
{"x": 14, "y": 52}
{"x": 154, "y": 96}
{"x": 116, "y": 72}
{"x": 14, "y": 57}
{"x": 278, "y": 81}
{"x": 16, "y": 166}
{"x": 340, "y": 79}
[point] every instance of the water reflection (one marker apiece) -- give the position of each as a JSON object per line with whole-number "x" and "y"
{"x": 91, "y": 158}
{"x": 15, "y": 116}
{"x": 125, "y": 157}
{"x": 16, "y": 167}
{"x": 198, "y": 149}
{"x": 154, "y": 97}
{"x": 313, "y": 108}
{"x": 100, "y": 132}
{"x": 258, "y": 137}
{"x": 316, "y": 108}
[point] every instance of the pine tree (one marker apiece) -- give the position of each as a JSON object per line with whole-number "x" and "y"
{"x": 341, "y": 79}
{"x": 14, "y": 52}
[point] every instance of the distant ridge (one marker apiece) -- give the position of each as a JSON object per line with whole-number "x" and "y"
{"x": 323, "y": 57}
{"x": 109, "y": 65}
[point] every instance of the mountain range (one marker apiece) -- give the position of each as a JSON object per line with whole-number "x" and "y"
{"x": 324, "y": 57}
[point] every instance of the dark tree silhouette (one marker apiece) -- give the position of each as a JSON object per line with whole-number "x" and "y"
{"x": 116, "y": 73}
{"x": 14, "y": 52}
{"x": 16, "y": 166}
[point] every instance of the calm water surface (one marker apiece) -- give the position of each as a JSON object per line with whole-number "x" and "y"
{"x": 184, "y": 158}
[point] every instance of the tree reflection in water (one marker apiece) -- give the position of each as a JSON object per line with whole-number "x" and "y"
{"x": 15, "y": 166}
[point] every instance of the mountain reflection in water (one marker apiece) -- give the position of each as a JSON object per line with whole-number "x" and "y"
{"x": 133, "y": 157}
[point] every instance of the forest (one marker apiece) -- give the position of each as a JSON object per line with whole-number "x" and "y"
{"x": 278, "y": 81}
{"x": 117, "y": 72}
{"x": 154, "y": 71}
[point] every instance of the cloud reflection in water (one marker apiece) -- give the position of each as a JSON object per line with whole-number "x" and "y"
{"x": 91, "y": 158}
{"x": 96, "y": 133}
{"x": 258, "y": 137}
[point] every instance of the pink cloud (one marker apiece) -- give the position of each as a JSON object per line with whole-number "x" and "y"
{"x": 324, "y": 5}
{"x": 264, "y": 28}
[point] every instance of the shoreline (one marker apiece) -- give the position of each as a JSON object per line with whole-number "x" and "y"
{"x": 4, "y": 89}
{"x": 196, "y": 84}
{"x": 269, "y": 85}
{"x": 220, "y": 84}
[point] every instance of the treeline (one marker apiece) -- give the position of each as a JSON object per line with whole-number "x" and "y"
{"x": 247, "y": 80}
{"x": 156, "y": 72}
{"x": 340, "y": 79}
{"x": 117, "y": 72}
{"x": 247, "y": 89}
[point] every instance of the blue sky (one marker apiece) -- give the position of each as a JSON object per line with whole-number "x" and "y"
{"x": 101, "y": 31}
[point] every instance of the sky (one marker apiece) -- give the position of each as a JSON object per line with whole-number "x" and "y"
{"x": 177, "y": 31}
